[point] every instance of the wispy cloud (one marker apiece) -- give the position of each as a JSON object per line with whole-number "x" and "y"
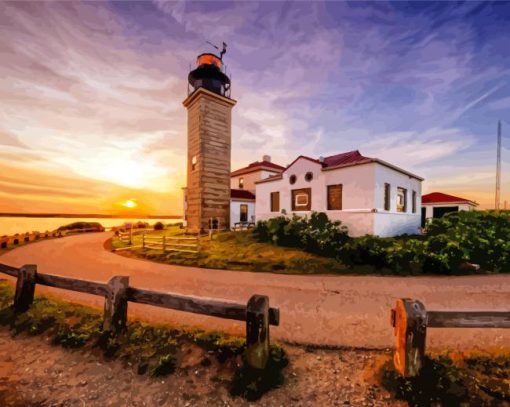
{"x": 94, "y": 90}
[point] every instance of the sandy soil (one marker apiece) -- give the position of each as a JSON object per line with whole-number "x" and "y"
{"x": 34, "y": 373}
{"x": 327, "y": 310}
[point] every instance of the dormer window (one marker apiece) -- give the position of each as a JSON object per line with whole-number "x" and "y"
{"x": 241, "y": 183}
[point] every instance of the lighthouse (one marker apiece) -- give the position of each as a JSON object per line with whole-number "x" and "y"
{"x": 209, "y": 134}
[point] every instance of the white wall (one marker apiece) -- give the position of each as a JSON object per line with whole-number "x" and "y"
{"x": 393, "y": 223}
{"x": 362, "y": 197}
{"x": 249, "y": 179}
{"x": 235, "y": 211}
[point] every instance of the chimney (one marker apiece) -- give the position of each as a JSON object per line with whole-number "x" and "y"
{"x": 321, "y": 159}
{"x": 266, "y": 158}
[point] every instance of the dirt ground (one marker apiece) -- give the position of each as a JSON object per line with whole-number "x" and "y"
{"x": 351, "y": 311}
{"x": 35, "y": 373}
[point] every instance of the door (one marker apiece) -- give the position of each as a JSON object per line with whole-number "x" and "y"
{"x": 243, "y": 213}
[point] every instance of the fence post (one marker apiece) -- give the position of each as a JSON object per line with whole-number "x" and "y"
{"x": 143, "y": 240}
{"x": 257, "y": 331}
{"x": 409, "y": 318}
{"x": 25, "y": 287}
{"x": 164, "y": 244}
{"x": 115, "y": 305}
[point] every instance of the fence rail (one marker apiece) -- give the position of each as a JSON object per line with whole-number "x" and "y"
{"x": 117, "y": 292}
{"x": 410, "y": 321}
{"x": 172, "y": 243}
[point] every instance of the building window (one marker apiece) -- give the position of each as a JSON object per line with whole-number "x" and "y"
{"x": 387, "y": 197}
{"x": 241, "y": 183}
{"x": 334, "y": 197}
{"x": 275, "y": 202}
{"x": 243, "y": 213}
{"x": 292, "y": 179}
{"x": 193, "y": 162}
{"x": 401, "y": 199}
{"x": 414, "y": 201}
{"x": 301, "y": 199}
{"x": 308, "y": 176}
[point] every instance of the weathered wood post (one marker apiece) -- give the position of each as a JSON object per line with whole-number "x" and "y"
{"x": 25, "y": 287}
{"x": 164, "y": 244}
{"x": 257, "y": 331}
{"x": 143, "y": 240}
{"x": 115, "y": 305}
{"x": 409, "y": 318}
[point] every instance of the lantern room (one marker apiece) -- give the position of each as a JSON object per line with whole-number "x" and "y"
{"x": 209, "y": 74}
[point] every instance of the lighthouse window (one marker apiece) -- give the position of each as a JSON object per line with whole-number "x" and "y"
{"x": 241, "y": 183}
{"x": 193, "y": 162}
{"x": 292, "y": 179}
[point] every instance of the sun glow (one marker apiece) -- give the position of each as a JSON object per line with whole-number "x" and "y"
{"x": 130, "y": 203}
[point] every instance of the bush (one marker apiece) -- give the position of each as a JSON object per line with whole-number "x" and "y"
{"x": 82, "y": 225}
{"x": 483, "y": 237}
{"x": 159, "y": 226}
{"x": 371, "y": 250}
{"x": 316, "y": 234}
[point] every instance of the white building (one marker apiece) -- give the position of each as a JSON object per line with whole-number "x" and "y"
{"x": 367, "y": 195}
{"x": 242, "y": 189}
{"x": 436, "y": 204}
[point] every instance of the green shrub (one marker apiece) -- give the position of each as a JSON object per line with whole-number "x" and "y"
{"x": 370, "y": 250}
{"x": 483, "y": 237}
{"x": 316, "y": 234}
{"x": 82, "y": 225}
{"x": 159, "y": 226}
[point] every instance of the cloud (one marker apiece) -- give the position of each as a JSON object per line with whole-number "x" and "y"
{"x": 94, "y": 90}
{"x": 414, "y": 149}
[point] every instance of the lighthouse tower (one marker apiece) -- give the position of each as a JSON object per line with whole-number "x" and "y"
{"x": 209, "y": 108}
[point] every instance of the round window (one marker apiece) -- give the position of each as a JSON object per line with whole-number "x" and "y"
{"x": 292, "y": 179}
{"x": 308, "y": 176}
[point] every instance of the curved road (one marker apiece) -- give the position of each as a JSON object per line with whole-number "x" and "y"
{"x": 327, "y": 310}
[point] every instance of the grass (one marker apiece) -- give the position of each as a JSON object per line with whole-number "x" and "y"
{"x": 241, "y": 251}
{"x": 454, "y": 379}
{"x": 155, "y": 350}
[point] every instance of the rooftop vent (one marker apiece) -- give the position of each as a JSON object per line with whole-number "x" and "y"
{"x": 266, "y": 158}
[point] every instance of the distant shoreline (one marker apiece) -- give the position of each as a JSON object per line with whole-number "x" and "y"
{"x": 85, "y": 215}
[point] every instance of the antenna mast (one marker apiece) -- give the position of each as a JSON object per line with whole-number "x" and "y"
{"x": 498, "y": 169}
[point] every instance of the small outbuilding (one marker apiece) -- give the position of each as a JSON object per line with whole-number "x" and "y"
{"x": 436, "y": 204}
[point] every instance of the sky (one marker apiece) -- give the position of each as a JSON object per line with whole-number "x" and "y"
{"x": 91, "y": 94}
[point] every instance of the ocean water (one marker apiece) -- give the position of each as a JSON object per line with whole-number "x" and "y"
{"x": 12, "y": 225}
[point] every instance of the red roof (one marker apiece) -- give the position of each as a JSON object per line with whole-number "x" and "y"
{"x": 349, "y": 157}
{"x": 258, "y": 166}
{"x": 439, "y": 197}
{"x": 241, "y": 194}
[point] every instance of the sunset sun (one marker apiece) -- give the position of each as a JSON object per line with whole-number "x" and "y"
{"x": 130, "y": 203}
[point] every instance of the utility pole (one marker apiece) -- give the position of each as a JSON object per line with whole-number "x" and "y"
{"x": 498, "y": 169}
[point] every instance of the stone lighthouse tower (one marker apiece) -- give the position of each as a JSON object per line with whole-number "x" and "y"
{"x": 209, "y": 143}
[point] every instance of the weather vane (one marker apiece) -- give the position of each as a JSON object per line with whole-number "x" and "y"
{"x": 222, "y": 52}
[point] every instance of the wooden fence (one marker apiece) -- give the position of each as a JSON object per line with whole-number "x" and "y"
{"x": 117, "y": 292}
{"x": 410, "y": 320}
{"x": 184, "y": 243}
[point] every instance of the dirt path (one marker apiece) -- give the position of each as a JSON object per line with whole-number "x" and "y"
{"x": 326, "y": 310}
{"x": 36, "y": 374}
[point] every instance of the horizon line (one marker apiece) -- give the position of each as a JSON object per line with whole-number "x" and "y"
{"x": 84, "y": 215}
